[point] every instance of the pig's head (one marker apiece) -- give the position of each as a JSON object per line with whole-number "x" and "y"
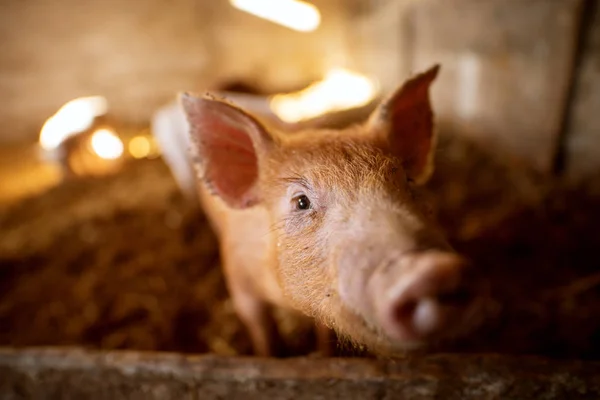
{"x": 354, "y": 244}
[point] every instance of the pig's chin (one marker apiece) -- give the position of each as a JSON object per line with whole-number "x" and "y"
{"x": 361, "y": 332}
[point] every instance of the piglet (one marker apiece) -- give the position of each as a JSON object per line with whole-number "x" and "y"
{"x": 329, "y": 223}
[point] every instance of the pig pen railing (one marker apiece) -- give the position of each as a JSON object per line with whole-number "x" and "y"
{"x": 42, "y": 373}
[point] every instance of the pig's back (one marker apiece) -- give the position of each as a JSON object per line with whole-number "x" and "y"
{"x": 246, "y": 245}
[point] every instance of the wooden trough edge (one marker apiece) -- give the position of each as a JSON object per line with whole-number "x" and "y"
{"x": 67, "y": 372}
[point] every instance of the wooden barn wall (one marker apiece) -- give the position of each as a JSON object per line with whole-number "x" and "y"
{"x": 522, "y": 78}
{"x": 507, "y": 67}
{"x": 139, "y": 53}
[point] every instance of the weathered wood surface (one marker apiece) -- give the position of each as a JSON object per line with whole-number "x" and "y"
{"x": 144, "y": 53}
{"x": 507, "y": 67}
{"x": 49, "y": 373}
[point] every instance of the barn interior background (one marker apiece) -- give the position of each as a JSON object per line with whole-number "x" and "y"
{"x": 99, "y": 246}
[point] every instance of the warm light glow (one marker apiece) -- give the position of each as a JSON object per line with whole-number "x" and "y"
{"x": 139, "y": 147}
{"x": 106, "y": 144}
{"x": 75, "y": 116}
{"x": 340, "y": 90}
{"x": 293, "y": 14}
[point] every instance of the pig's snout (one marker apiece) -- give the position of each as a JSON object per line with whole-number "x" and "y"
{"x": 422, "y": 296}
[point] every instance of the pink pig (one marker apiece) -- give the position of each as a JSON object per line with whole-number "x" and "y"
{"x": 328, "y": 222}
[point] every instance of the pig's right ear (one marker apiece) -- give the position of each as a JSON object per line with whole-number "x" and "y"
{"x": 227, "y": 144}
{"x": 405, "y": 121}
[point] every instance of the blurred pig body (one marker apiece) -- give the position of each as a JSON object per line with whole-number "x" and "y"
{"x": 170, "y": 129}
{"x": 328, "y": 222}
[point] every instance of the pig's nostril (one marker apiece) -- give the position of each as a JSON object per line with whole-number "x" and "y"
{"x": 419, "y": 317}
{"x": 423, "y": 298}
{"x": 405, "y": 311}
{"x": 415, "y": 318}
{"x": 459, "y": 297}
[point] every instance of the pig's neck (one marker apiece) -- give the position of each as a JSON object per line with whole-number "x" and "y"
{"x": 247, "y": 244}
{"x": 253, "y": 235}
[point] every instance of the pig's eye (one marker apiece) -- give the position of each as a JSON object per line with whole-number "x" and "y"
{"x": 302, "y": 202}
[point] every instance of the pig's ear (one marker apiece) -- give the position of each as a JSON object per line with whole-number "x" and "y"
{"x": 227, "y": 144}
{"x": 405, "y": 119}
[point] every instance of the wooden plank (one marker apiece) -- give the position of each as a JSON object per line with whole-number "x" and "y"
{"x": 506, "y": 70}
{"x": 77, "y": 374}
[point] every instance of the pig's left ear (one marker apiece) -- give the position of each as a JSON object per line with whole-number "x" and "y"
{"x": 405, "y": 120}
{"x": 228, "y": 144}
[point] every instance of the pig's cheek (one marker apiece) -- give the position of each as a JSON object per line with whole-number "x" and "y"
{"x": 349, "y": 282}
{"x": 304, "y": 260}
{"x": 300, "y": 225}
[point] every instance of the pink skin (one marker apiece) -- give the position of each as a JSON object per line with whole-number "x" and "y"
{"x": 404, "y": 280}
{"x": 329, "y": 223}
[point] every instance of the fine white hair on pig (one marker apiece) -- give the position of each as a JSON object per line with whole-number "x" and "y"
{"x": 328, "y": 222}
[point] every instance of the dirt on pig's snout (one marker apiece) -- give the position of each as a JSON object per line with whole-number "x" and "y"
{"x": 123, "y": 263}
